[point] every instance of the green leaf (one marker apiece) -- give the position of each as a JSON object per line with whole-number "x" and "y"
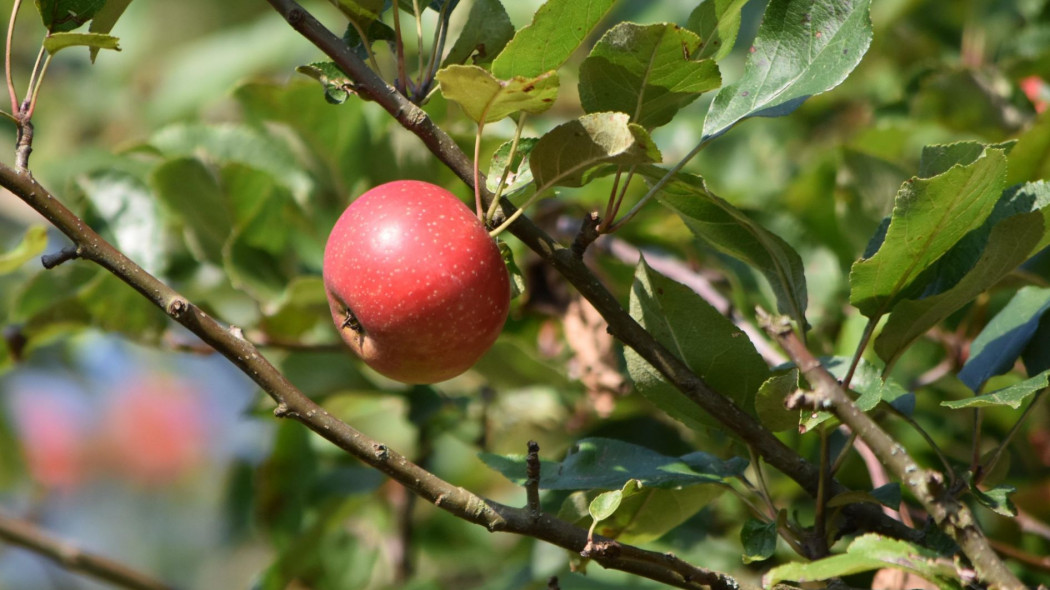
{"x": 257, "y": 257}
{"x": 361, "y": 12}
{"x": 607, "y": 503}
{"x": 1030, "y": 158}
{"x": 375, "y": 31}
{"x": 649, "y": 72}
{"x": 961, "y": 259}
{"x": 226, "y": 143}
{"x": 557, "y": 29}
{"x": 694, "y": 331}
{"x": 997, "y": 499}
{"x": 866, "y": 553}
{"x": 938, "y": 159}
{"x": 55, "y": 42}
{"x": 717, "y": 22}
{"x": 929, "y": 217}
{"x": 728, "y": 230}
{"x": 769, "y": 403}
{"x": 486, "y": 99}
{"x": 803, "y": 47}
{"x": 996, "y": 348}
{"x": 336, "y": 84}
{"x": 66, "y": 15}
{"x": 133, "y": 220}
{"x": 566, "y": 154}
{"x": 520, "y": 175}
{"x": 114, "y": 306}
{"x": 888, "y": 495}
{"x": 517, "y": 279}
{"x": 191, "y": 193}
{"x": 759, "y": 539}
{"x": 869, "y": 384}
{"x": 301, "y": 315}
{"x": 32, "y": 245}
{"x": 1012, "y": 242}
{"x": 608, "y": 464}
{"x": 1012, "y": 396}
{"x": 485, "y": 34}
{"x": 106, "y": 18}
{"x": 643, "y": 516}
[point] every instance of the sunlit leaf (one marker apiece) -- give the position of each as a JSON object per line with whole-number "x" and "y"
{"x": 33, "y": 243}
{"x": 1012, "y": 396}
{"x": 997, "y": 499}
{"x": 56, "y": 42}
{"x": 607, "y": 503}
{"x": 485, "y": 34}
{"x": 717, "y": 22}
{"x": 803, "y": 47}
{"x": 930, "y": 216}
{"x": 867, "y": 553}
{"x": 485, "y": 98}
{"x": 648, "y": 72}
{"x": 645, "y": 515}
{"x": 566, "y": 154}
{"x": 557, "y": 29}
{"x": 131, "y": 213}
{"x": 1011, "y": 243}
{"x": 106, "y": 18}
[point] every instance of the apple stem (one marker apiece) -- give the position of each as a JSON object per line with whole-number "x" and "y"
{"x": 494, "y": 205}
{"x": 478, "y": 206}
{"x": 351, "y": 321}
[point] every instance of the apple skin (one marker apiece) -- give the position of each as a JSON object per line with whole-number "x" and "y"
{"x": 417, "y": 287}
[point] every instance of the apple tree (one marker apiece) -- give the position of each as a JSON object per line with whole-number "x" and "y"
{"x": 776, "y": 276}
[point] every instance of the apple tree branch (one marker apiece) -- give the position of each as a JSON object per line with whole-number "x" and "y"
{"x": 293, "y": 403}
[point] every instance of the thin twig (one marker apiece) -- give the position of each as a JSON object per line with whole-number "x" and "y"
{"x": 29, "y": 536}
{"x": 587, "y": 234}
{"x": 7, "y": 57}
{"x": 532, "y": 478}
{"x": 64, "y": 255}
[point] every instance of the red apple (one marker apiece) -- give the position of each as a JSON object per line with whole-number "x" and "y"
{"x": 417, "y": 287}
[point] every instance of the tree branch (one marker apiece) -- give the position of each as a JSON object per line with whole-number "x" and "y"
{"x": 292, "y": 403}
{"x": 927, "y": 485}
{"x": 572, "y": 267}
{"x": 29, "y": 536}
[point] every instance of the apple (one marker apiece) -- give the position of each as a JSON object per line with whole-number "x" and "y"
{"x": 417, "y": 287}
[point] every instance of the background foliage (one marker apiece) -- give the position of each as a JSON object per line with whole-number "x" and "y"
{"x": 201, "y": 154}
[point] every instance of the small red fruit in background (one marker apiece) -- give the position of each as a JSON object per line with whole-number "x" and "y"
{"x": 153, "y": 430}
{"x": 417, "y": 287}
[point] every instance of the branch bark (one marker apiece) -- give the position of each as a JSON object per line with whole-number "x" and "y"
{"x": 621, "y": 325}
{"x": 29, "y": 536}
{"x": 927, "y": 485}
{"x": 292, "y": 403}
